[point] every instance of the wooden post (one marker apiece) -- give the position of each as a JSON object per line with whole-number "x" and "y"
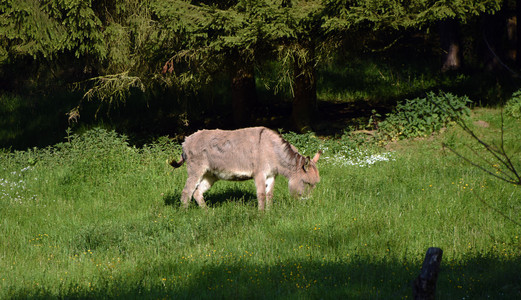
{"x": 424, "y": 287}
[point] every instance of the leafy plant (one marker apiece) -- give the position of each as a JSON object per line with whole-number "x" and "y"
{"x": 309, "y": 143}
{"x": 513, "y": 105}
{"x": 423, "y": 116}
{"x": 306, "y": 143}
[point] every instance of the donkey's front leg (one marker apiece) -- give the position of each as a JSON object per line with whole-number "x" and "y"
{"x": 270, "y": 182}
{"x": 260, "y": 183}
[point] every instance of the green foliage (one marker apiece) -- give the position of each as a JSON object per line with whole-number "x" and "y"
{"x": 110, "y": 89}
{"x": 84, "y": 35}
{"x": 26, "y": 28}
{"x": 123, "y": 45}
{"x": 421, "y": 117}
{"x": 45, "y": 29}
{"x": 10, "y": 127}
{"x": 306, "y": 143}
{"x": 513, "y": 105}
{"x": 395, "y": 14}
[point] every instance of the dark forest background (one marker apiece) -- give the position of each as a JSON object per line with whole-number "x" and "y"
{"x": 154, "y": 68}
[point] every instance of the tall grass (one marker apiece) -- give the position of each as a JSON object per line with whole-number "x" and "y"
{"x": 95, "y": 217}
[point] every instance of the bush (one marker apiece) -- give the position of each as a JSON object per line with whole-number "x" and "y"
{"x": 309, "y": 144}
{"x": 513, "y": 105}
{"x": 423, "y": 116}
{"x": 306, "y": 143}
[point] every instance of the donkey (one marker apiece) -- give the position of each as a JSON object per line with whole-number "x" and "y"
{"x": 256, "y": 153}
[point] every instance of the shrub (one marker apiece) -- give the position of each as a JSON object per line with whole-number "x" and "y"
{"x": 306, "y": 143}
{"x": 513, "y": 105}
{"x": 423, "y": 116}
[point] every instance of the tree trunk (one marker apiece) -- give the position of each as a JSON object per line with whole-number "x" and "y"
{"x": 450, "y": 45}
{"x": 305, "y": 90}
{"x": 512, "y": 38}
{"x": 244, "y": 95}
{"x": 518, "y": 33}
{"x": 424, "y": 287}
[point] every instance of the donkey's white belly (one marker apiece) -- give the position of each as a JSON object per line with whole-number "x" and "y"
{"x": 232, "y": 175}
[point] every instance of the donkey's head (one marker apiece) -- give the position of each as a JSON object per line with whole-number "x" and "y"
{"x": 306, "y": 177}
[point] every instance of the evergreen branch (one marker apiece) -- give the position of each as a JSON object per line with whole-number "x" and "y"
{"x": 108, "y": 88}
{"x": 114, "y": 87}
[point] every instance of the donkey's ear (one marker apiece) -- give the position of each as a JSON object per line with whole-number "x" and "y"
{"x": 305, "y": 166}
{"x": 317, "y": 156}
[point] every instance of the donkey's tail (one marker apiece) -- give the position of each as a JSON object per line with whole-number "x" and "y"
{"x": 177, "y": 164}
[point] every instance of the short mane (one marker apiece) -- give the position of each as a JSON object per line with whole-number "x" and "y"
{"x": 291, "y": 157}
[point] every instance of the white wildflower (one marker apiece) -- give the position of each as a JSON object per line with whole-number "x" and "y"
{"x": 25, "y": 169}
{"x": 15, "y": 188}
{"x": 359, "y": 158}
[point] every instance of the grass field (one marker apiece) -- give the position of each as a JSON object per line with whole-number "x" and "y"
{"x": 94, "y": 217}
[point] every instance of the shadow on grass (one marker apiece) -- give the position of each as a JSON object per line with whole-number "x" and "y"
{"x": 214, "y": 199}
{"x": 358, "y": 278}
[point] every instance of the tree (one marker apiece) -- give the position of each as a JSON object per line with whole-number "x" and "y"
{"x": 518, "y": 33}
{"x": 243, "y": 34}
{"x": 450, "y": 44}
{"x": 107, "y": 46}
{"x": 216, "y": 37}
{"x": 36, "y": 33}
{"x": 416, "y": 14}
{"x": 45, "y": 29}
{"x": 125, "y": 44}
{"x": 304, "y": 111}
{"x": 304, "y": 20}
{"x": 314, "y": 28}
{"x": 135, "y": 43}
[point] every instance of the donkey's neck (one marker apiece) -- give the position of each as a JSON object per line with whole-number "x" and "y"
{"x": 289, "y": 164}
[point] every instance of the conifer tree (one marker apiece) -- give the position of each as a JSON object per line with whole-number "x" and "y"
{"x": 124, "y": 44}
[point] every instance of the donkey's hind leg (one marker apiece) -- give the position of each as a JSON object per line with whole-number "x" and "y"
{"x": 188, "y": 191}
{"x": 260, "y": 184}
{"x": 206, "y": 183}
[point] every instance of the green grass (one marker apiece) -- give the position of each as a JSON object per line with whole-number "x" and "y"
{"x": 375, "y": 80}
{"x": 382, "y": 79}
{"x": 97, "y": 218}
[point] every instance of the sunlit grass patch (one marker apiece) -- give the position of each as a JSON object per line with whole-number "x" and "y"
{"x": 106, "y": 223}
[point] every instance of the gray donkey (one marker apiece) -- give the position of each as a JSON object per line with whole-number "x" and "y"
{"x": 256, "y": 153}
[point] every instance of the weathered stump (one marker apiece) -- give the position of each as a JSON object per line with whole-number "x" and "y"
{"x": 424, "y": 287}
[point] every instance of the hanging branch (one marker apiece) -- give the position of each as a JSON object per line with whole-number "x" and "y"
{"x": 108, "y": 88}
{"x": 511, "y": 175}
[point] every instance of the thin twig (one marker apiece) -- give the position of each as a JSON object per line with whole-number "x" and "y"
{"x": 486, "y": 161}
{"x": 510, "y": 165}
{"x": 495, "y": 209}
{"x": 498, "y": 153}
{"x": 481, "y": 167}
